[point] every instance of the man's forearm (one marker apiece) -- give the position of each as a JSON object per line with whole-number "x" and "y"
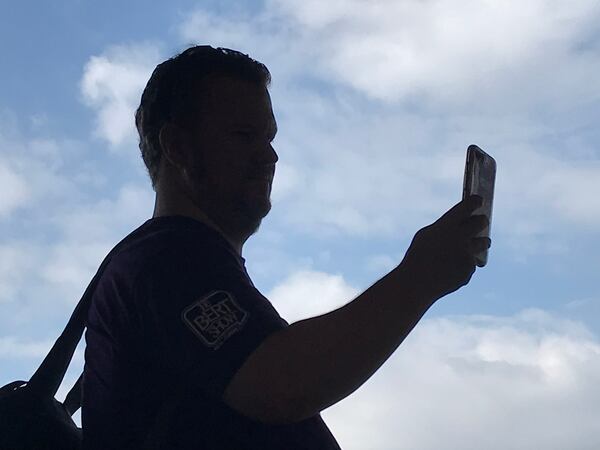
{"x": 330, "y": 356}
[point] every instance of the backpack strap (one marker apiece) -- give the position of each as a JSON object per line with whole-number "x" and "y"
{"x": 73, "y": 399}
{"x": 48, "y": 377}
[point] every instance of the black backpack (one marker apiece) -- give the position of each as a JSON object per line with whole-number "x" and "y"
{"x": 30, "y": 417}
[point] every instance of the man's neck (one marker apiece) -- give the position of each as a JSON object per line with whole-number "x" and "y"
{"x": 199, "y": 215}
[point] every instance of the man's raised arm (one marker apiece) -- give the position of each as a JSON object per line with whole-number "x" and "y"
{"x": 316, "y": 362}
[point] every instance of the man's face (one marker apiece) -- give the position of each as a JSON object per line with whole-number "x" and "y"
{"x": 233, "y": 169}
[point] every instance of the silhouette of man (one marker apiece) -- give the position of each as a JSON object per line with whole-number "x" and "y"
{"x": 182, "y": 350}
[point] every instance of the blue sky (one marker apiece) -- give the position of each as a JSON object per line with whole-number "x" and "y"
{"x": 376, "y": 103}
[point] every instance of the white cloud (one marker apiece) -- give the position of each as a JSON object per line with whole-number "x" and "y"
{"x": 446, "y": 51}
{"x": 51, "y": 197}
{"x": 516, "y": 80}
{"x": 18, "y": 259}
{"x": 287, "y": 180}
{"x": 31, "y": 170}
{"x": 382, "y": 263}
{"x": 15, "y": 188}
{"x": 521, "y": 382}
{"x": 308, "y": 293}
{"x": 104, "y": 217}
{"x": 366, "y": 174}
{"x": 439, "y": 51}
{"x": 357, "y": 173}
{"x": 41, "y": 280}
{"x": 267, "y": 258}
{"x": 545, "y": 199}
{"x": 458, "y": 382}
{"x": 88, "y": 234}
{"x": 14, "y": 347}
{"x": 112, "y": 84}
{"x": 265, "y": 36}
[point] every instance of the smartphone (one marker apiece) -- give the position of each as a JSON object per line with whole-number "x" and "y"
{"x": 480, "y": 177}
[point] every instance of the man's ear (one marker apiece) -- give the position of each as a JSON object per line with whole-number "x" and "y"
{"x": 174, "y": 141}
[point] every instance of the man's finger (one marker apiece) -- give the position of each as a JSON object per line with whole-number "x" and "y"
{"x": 462, "y": 209}
{"x": 473, "y": 225}
{"x": 479, "y": 245}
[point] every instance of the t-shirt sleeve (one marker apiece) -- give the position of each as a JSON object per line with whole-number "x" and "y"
{"x": 202, "y": 315}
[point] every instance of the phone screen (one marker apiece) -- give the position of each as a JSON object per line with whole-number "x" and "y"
{"x": 480, "y": 177}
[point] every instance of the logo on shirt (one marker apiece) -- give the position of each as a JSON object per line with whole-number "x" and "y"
{"x": 214, "y": 318}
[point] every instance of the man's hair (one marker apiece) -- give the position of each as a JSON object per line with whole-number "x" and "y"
{"x": 169, "y": 94}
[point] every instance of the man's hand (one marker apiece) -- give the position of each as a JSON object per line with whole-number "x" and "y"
{"x": 441, "y": 256}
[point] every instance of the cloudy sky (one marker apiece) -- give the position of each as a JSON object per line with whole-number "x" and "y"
{"x": 376, "y": 102}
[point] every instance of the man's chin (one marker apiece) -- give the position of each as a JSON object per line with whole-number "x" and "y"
{"x": 258, "y": 214}
{"x": 258, "y": 206}
{"x": 254, "y": 213}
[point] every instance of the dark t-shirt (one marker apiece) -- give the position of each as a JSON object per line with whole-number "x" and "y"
{"x": 176, "y": 303}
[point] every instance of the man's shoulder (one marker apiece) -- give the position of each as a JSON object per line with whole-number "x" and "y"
{"x": 161, "y": 248}
{"x": 177, "y": 260}
{"x": 146, "y": 262}
{"x": 141, "y": 261}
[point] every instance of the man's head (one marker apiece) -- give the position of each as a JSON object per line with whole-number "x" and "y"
{"x": 206, "y": 124}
